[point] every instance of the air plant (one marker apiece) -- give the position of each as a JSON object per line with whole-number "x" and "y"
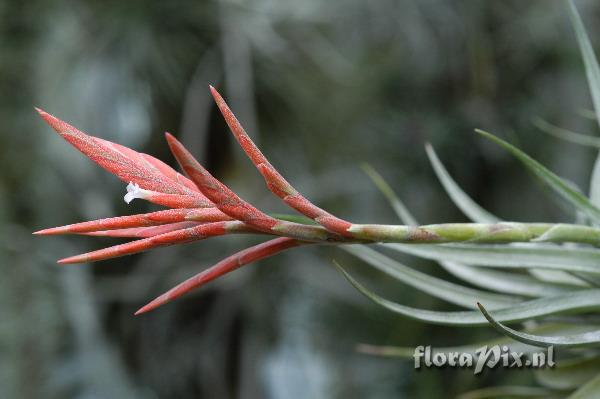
{"x": 561, "y": 259}
{"x": 203, "y": 207}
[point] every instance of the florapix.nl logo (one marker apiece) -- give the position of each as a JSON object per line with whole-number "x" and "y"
{"x": 484, "y": 357}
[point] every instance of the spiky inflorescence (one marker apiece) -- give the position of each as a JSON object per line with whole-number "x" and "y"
{"x": 203, "y": 207}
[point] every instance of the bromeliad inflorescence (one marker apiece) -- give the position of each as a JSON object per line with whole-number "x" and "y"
{"x": 203, "y": 207}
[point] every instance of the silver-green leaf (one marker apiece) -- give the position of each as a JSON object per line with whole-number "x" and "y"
{"x": 560, "y": 186}
{"x": 587, "y": 339}
{"x": 469, "y": 207}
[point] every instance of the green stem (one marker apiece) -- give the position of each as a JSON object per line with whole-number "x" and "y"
{"x": 503, "y": 232}
{"x": 477, "y": 232}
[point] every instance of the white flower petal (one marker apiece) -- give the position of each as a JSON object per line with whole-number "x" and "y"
{"x": 133, "y": 191}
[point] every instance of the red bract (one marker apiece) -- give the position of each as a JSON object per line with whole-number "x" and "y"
{"x": 178, "y": 236}
{"x": 147, "y": 219}
{"x": 225, "y": 266}
{"x": 226, "y": 200}
{"x": 142, "y": 232}
{"x": 130, "y": 166}
{"x": 203, "y": 207}
{"x": 275, "y": 181}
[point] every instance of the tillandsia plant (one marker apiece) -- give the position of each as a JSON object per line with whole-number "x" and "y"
{"x": 561, "y": 261}
{"x": 203, "y": 207}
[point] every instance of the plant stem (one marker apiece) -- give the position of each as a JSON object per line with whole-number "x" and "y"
{"x": 477, "y": 232}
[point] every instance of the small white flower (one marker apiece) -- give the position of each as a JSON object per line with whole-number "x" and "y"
{"x": 134, "y": 191}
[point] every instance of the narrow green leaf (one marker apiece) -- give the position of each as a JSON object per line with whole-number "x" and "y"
{"x": 398, "y": 206}
{"x": 450, "y": 292}
{"x": 587, "y": 113}
{"x": 587, "y": 339}
{"x": 591, "y": 281}
{"x": 506, "y": 392}
{"x": 508, "y": 283}
{"x": 558, "y": 277}
{"x": 569, "y": 373}
{"x": 469, "y": 207}
{"x": 567, "y": 135}
{"x": 509, "y": 256}
{"x": 404, "y": 352}
{"x": 564, "y": 189}
{"x": 595, "y": 183}
{"x": 589, "y": 390}
{"x": 577, "y": 302}
{"x": 592, "y": 70}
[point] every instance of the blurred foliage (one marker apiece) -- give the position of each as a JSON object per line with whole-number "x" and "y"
{"x": 321, "y": 86}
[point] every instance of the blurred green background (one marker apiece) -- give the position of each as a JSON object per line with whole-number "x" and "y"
{"x": 321, "y": 86}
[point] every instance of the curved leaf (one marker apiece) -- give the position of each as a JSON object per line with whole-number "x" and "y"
{"x": 592, "y": 70}
{"x": 567, "y": 135}
{"x": 587, "y": 339}
{"x": 595, "y": 182}
{"x": 558, "y": 277}
{"x": 508, "y": 283}
{"x": 564, "y": 189}
{"x": 458, "y": 196}
{"x": 569, "y": 373}
{"x": 509, "y": 392}
{"x": 398, "y": 206}
{"x": 516, "y": 346}
{"x": 577, "y": 302}
{"x": 509, "y": 256}
{"x": 450, "y": 292}
{"x": 588, "y": 391}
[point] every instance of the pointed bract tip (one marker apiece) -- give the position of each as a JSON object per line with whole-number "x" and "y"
{"x": 43, "y": 113}
{"x": 51, "y": 231}
{"x": 44, "y": 232}
{"x": 71, "y": 260}
{"x": 53, "y": 121}
{"x": 139, "y": 312}
{"x": 215, "y": 93}
{"x": 172, "y": 141}
{"x": 46, "y": 116}
{"x": 150, "y": 306}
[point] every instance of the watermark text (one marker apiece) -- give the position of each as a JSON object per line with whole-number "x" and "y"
{"x": 484, "y": 357}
